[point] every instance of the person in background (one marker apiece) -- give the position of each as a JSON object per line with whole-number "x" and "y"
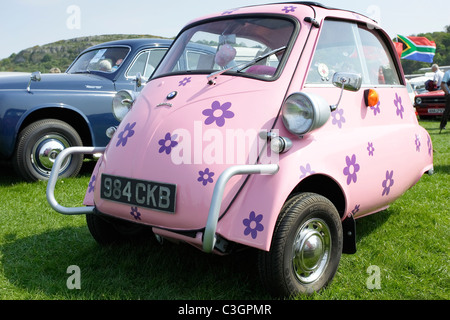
{"x": 438, "y": 75}
{"x": 445, "y": 84}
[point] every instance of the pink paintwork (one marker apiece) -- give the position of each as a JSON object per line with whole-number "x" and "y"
{"x": 363, "y": 158}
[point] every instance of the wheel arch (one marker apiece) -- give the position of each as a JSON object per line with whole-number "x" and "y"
{"x": 325, "y": 186}
{"x": 63, "y": 113}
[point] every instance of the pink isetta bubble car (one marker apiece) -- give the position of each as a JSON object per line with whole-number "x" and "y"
{"x": 293, "y": 122}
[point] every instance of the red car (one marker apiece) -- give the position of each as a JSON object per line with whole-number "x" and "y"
{"x": 430, "y": 104}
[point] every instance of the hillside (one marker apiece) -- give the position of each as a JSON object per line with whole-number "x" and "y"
{"x": 58, "y": 54}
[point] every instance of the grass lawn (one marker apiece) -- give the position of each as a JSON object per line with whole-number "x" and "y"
{"x": 407, "y": 244}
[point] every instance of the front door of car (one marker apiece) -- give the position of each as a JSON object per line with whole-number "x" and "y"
{"x": 370, "y": 159}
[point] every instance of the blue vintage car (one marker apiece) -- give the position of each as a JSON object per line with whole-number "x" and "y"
{"x": 42, "y": 114}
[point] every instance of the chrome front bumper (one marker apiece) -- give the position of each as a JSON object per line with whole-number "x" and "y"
{"x": 209, "y": 236}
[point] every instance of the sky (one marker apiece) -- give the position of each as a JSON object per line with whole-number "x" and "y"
{"x": 26, "y": 23}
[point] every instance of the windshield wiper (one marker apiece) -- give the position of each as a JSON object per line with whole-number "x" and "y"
{"x": 244, "y": 65}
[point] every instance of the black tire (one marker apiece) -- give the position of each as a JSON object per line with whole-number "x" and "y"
{"x": 283, "y": 270}
{"x": 109, "y": 231}
{"x": 39, "y": 144}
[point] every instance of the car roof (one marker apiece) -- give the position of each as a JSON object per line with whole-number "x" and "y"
{"x": 320, "y": 5}
{"x": 133, "y": 43}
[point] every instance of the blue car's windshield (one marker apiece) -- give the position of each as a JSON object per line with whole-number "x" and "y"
{"x": 106, "y": 60}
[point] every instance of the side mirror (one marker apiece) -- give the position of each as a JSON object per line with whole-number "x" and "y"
{"x": 138, "y": 80}
{"x": 349, "y": 81}
{"x": 35, "y": 76}
{"x": 346, "y": 81}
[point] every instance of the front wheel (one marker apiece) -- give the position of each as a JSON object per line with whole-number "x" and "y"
{"x": 39, "y": 144}
{"x": 108, "y": 230}
{"x": 306, "y": 247}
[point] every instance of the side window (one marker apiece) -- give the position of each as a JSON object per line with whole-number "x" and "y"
{"x": 153, "y": 60}
{"x": 347, "y": 47}
{"x": 380, "y": 65}
{"x": 146, "y": 62}
{"x": 138, "y": 65}
{"x": 198, "y": 60}
{"x": 336, "y": 51}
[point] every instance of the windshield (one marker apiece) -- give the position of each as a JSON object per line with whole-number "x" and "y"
{"x": 106, "y": 60}
{"x": 231, "y": 45}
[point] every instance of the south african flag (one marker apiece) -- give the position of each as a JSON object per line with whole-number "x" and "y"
{"x": 417, "y": 48}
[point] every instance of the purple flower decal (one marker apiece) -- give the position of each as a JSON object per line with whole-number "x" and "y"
{"x": 429, "y": 145}
{"x": 356, "y": 210}
{"x": 338, "y": 117}
{"x": 135, "y": 213}
{"x": 417, "y": 143}
{"x": 185, "y": 81}
{"x": 306, "y": 171}
{"x": 205, "y": 176}
{"x": 370, "y": 148}
{"x": 288, "y": 9}
{"x": 92, "y": 184}
{"x": 167, "y": 143}
{"x": 399, "y": 105}
{"x": 253, "y": 225}
{"x": 388, "y": 183}
{"x": 218, "y": 113}
{"x": 228, "y": 12}
{"x": 125, "y": 134}
{"x": 376, "y": 109}
{"x": 351, "y": 169}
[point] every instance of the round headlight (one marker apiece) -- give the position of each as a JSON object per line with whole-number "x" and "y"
{"x": 304, "y": 112}
{"x": 122, "y": 102}
{"x": 418, "y": 100}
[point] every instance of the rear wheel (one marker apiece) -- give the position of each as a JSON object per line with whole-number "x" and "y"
{"x": 306, "y": 247}
{"x": 39, "y": 144}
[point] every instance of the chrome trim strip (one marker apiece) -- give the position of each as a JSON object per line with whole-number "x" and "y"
{"x": 209, "y": 237}
{"x": 54, "y": 177}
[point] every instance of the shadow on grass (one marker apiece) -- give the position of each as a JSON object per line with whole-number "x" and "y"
{"x": 369, "y": 224}
{"x": 38, "y": 265}
{"x": 442, "y": 169}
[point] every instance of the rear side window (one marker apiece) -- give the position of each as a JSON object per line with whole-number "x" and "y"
{"x": 349, "y": 47}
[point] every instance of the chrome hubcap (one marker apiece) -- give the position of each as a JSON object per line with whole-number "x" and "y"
{"x": 311, "y": 250}
{"x": 46, "y": 150}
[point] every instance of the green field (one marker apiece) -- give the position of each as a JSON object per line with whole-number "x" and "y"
{"x": 408, "y": 244}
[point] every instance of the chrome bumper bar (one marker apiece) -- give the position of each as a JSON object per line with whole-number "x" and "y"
{"x": 209, "y": 237}
{"x": 54, "y": 177}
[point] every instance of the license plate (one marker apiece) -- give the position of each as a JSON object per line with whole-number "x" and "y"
{"x": 141, "y": 193}
{"x": 436, "y": 110}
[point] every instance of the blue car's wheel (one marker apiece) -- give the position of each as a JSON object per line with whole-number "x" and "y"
{"x": 39, "y": 144}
